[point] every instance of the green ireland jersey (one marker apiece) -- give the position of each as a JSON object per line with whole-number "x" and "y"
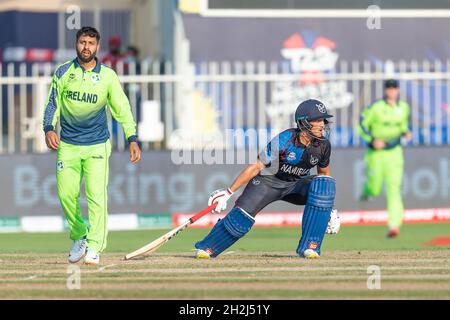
{"x": 78, "y": 97}
{"x": 384, "y": 122}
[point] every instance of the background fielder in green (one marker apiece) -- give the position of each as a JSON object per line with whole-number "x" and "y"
{"x": 382, "y": 125}
{"x": 79, "y": 93}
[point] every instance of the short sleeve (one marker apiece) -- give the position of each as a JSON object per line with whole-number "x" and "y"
{"x": 266, "y": 154}
{"x": 273, "y": 149}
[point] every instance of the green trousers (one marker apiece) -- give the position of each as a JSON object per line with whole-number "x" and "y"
{"x": 91, "y": 162}
{"x": 386, "y": 166}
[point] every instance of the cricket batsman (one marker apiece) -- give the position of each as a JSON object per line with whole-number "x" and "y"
{"x": 79, "y": 93}
{"x": 382, "y": 125}
{"x": 282, "y": 172}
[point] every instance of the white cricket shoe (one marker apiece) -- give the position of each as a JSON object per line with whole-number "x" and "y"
{"x": 202, "y": 254}
{"x": 92, "y": 257}
{"x": 310, "y": 254}
{"x": 77, "y": 251}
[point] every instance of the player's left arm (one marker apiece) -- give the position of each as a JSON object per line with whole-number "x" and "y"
{"x": 323, "y": 166}
{"x": 323, "y": 171}
{"x": 121, "y": 111}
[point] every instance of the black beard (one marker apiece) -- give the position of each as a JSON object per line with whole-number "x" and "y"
{"x": 85, "y": 60}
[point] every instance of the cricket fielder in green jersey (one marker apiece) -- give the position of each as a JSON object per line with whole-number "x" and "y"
{"x": 382, "y": 125}
{"x": 79, "y": 93}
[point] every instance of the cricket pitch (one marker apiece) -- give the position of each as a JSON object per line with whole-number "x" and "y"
{"x": 403, "y": 274}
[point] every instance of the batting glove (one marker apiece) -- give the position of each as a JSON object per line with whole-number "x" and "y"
{"x": 334, "y": 224}
{"x": 220, "y": 196}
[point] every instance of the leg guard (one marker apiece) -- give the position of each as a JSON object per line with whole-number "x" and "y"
{"x": 226, "y": 232}
{"x": 322, "y": 191}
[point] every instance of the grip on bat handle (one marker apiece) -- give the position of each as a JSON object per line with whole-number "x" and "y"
{"x": 203, "y": 212}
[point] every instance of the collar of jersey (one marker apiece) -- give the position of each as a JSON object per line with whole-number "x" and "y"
{"x": 96, "y": 68}
{"x": 387, "y": 103}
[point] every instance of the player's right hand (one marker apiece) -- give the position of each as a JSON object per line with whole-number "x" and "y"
{"x": 52, "y": 140}
{"x": 378, "y": 144}
{"x": 408, "y": 136}
{"x": 220, "y": 196}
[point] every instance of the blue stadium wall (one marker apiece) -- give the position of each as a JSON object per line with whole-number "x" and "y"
{"x": 28, "y": 29}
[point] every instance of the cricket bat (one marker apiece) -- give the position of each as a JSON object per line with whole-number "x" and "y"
{"x": 154, "y": 245}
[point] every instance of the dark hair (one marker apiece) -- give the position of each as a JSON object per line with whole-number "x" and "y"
{"x": 391, "y": 83}
{"x": 89, "y": 31}
{"x": 133, "y": 49}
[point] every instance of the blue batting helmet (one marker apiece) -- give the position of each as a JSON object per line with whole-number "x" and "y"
{"x": 311, "y": 109}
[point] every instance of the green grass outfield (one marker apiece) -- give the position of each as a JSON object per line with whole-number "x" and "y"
{"x": 413, "y": 236}
{"x": 263, "y": 265}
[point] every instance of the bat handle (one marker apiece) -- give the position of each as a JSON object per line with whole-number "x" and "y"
{"x": 203, "y": 212}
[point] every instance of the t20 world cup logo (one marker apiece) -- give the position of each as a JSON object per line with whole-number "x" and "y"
{"x": 310, "y": 57}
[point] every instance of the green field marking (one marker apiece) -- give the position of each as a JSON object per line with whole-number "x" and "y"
{"x": 9, "y": 224}
{"x": 155, "y": 221}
